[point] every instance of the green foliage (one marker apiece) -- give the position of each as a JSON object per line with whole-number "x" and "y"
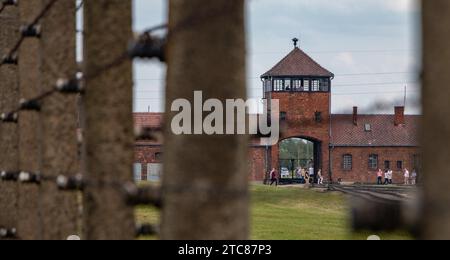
{"x": 296, "y": 148}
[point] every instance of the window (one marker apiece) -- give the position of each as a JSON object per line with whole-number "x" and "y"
{"x": 306, "y": 85}
{"x": 324, "y": 85}
{"x": 297, "y": 84}
{"x": 154, "y": 171}
{"x": 347, "y": 162}
{"x": 315, "y": 85}
{"x": 373, "y": 161}
{"x": 268, "y": 85}
{"x": 368, "y": 127}
{"x": 287, "y": 84}
{"x": 387, "y": 165}
{"x": 278, "y": 85}
{"x": 137, "y": 172}
{"x": 400, "y": 165}
{"x": 283, "y": 116}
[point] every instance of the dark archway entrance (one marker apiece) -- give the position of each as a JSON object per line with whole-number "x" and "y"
{"x": 298, "y": 153}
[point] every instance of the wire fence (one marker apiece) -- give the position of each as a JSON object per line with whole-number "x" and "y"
{"x": 75, "y": 85}
{"x": 72, "y": 85}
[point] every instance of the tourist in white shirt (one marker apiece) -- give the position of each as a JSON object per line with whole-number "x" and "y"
{"x": 414, "y": 177}
{"x": 406, "y": 175}
{"x": 390, "y": 176}
{"x": 386, "y": 177}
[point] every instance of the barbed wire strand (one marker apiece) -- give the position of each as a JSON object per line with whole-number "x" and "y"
{"x": 33, "y": 23}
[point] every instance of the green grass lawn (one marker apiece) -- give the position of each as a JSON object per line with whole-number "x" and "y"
{"x": 293, "y": 213}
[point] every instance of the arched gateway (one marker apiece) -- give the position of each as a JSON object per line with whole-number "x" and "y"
{"x": 298, "y": 156}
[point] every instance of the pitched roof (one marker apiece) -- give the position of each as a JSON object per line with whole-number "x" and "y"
{"x": 148, "y": 119}
{"x": 298, "y": 63}
{"x": 383, "y": 131}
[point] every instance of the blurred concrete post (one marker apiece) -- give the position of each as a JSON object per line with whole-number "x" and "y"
{"x": 59, "y": 121}
{"x": 109, "y": 131}
{"x": 205, "y": 180}
{"x": 436, "y": 123}
{"x": 29, "y": 226}
{"x": 9, "y": 138}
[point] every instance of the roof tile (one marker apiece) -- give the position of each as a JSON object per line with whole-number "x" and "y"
{"x": 298, "y": 63}
{"x": 383, "y": 131}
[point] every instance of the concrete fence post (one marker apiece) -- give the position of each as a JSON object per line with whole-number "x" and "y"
{"x": 205, "y": 182}
{"x": 59, "y": 121}
{"x": 436, "y": 123}
{"x": 109, "y": 132}
{"x": 30, "y": 219}
{"x": 9, "y": 138}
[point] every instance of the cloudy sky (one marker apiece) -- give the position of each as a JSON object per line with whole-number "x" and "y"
{"x": 372, "y": 46}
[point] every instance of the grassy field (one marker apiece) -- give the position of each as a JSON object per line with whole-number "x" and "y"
{"x": 293, "y": 213}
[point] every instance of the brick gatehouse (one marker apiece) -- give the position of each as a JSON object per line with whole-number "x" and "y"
{"x": 346, "y": 147}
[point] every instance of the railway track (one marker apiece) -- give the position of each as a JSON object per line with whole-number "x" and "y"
{"x": 380, "y": 207}
{"x": 377, "y": 193}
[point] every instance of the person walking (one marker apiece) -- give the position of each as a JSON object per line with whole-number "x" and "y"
{"x": 406, "y": 175}
{"x": 311, "y": 175}
{"x": 386, "y": 177}
{"x": 303, "y": 176}
{"x": 320, "y": 178}
{"x": 414, "y": 177}
{"x": 379, "y": 177}
{"x": 274, "y": 177}
{"x": 391, "y": 176}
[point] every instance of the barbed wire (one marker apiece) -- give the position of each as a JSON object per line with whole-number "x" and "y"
{"x": 133, "y": 194}
{"x": 5, "y": 3}
{"x": 30, "y": 30}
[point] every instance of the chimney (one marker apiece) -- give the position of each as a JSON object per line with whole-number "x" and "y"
{"x": 355, "y": 116}
{"x": 399, "y": 116}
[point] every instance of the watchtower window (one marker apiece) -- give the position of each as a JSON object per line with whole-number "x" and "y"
{"x": 268, "y": 85}
{"x": 324, "y": 85}
{"x": 306, "y": 85}
{"x": 278, "y": 85}
{"x": 315, "y": 85}
{"x": 287, "y": 84}
{"x": 297, "y": 84}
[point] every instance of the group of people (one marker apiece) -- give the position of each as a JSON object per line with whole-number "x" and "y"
{"x": 409, "y": 178}
{"x": 305, "y": 176}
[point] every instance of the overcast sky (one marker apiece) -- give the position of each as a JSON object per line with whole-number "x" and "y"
{"x": 372, "y": 46}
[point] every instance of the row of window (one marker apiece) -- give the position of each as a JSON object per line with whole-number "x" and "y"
{"x": 347, "y": 163}
{"x": 297, "y": 85}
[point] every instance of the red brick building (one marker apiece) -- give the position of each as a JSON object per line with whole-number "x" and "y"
{"x": 348, "y": 148}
